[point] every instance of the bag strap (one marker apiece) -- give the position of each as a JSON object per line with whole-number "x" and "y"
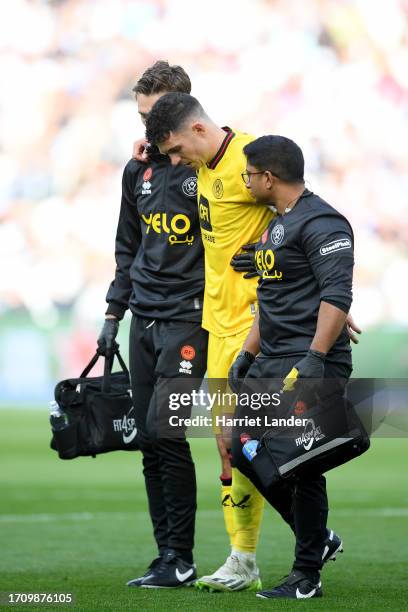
{"x": 107, "y": 368}
{"x": 122, "y": 363}
{"x": 106, "y": 382}
{"x": 90, "y": 365}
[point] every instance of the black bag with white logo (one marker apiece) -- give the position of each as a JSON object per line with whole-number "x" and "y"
{"x": 99, "y": 410}
{"x": 332, "y": 434}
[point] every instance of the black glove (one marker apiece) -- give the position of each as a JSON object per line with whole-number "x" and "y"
{"x": 245, "y": 262}
{"x": 106, "y": 341}
{"x": 310, "y": 366}
{"x": 239, "y": 369}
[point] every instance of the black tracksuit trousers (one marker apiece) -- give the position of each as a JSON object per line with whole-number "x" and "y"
{"x": 156, "y": 351}
{"x": 302, "y": 504}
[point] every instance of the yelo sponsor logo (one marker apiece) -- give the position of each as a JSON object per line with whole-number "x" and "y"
{"x": 265, "y": 260}
{"x": 177, "y": 225}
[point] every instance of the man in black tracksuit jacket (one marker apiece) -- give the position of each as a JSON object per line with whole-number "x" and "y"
{"x": 305, "y": 263}
{"x": 160, "y": 277}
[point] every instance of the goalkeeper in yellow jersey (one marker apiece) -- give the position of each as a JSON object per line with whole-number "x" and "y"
{"x": 229, "y": 218}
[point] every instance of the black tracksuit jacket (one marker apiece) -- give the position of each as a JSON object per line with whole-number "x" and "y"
{"x": 159, "y": 252}
{"x": 303, "y": 258}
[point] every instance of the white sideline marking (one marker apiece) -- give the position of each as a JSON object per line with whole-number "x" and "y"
{"x": 91, "y": 516}
{"x": 374, "y": 512}
{"x": 72, "y": 516}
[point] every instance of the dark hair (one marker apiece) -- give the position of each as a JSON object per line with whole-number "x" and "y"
{"x": 280, "y": 155}
{"x": 169, "y": 115}
{"x": 163, "y": 77}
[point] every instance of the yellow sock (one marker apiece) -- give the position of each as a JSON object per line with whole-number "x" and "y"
{"x": 247, "y": 509}
{"x": 228, "y": 511}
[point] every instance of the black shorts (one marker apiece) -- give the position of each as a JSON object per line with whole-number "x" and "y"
{"x": 160, "y": 351}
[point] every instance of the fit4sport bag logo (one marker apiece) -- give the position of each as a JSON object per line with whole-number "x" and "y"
{"x": 311, "y": 434}
{"x": 127, "y": 426}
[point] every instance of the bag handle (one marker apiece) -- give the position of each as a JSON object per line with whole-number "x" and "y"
{"x": 106, "y": 383}
{"x": 90, "y": 365}
{"x": 121, "y": 362}
{"x": 107, "y": 370}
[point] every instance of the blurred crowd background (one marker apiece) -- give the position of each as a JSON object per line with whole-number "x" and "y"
{"x": 331, "y": 74}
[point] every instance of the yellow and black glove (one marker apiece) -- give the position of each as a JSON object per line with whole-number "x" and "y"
{"x": 310, "y": 366}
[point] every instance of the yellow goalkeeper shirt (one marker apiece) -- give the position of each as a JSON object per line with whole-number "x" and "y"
{"x": 229, "y": 218}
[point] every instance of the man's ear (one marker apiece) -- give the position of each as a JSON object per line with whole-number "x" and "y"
{"x": 198, "y": 128}
{"x": 269, "y": 179}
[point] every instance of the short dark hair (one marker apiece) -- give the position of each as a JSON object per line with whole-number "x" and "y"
{"x": 278, "y": 154}
{"x": 169, "y": 114}
{"x": 163, "y": 77}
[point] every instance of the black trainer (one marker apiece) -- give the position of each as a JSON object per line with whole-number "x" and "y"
{"x": 137, "y": 582}
{"x": 172, "y": 572}
{"x": 296, "y": 586}
{"x": 332, "y": 546}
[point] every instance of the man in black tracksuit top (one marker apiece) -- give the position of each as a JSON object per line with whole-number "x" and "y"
{"x": 305, "y": 263}
{"x": 160, "y": 277}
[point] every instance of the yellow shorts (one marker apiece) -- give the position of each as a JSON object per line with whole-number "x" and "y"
{"x": 222, "y": 352}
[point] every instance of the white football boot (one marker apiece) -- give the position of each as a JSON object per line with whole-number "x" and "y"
{"x": 239, "y": 573}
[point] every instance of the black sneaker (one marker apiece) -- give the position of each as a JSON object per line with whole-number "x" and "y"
{"x": 137, "y": 582}
{"x": 332, "y": 546}
{"x": 296, "y": 586}
{"x": 172, "y": 572}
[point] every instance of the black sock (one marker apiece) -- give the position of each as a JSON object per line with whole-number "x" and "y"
{"x": 226, "y": 482}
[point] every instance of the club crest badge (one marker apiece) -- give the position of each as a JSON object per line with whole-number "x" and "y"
{"x": 218, "y": 189}
{"x": 277, "y": 234}
{"x": 189, "y": 187}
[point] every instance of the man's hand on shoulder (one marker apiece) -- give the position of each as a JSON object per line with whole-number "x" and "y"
{"x": 141, "y": 150}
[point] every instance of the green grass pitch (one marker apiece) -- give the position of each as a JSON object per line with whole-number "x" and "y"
{"x": 82, "y": 527}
